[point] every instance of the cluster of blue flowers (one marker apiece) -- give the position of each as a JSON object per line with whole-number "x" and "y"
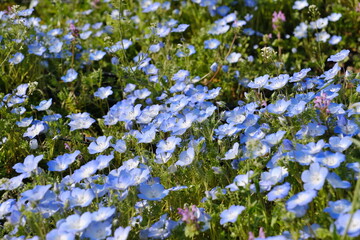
{"x": 81, "y": 189}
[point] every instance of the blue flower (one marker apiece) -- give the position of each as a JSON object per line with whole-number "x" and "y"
{"x": 259, "y": 82}
{"x": 279, "y": 192}
{"x": 103, "y": 92}
{"x": 277, "y": 82}
{"x": 186, "y": 157}
{"x": 300, "y": 199}
{"x": 62, "y": 162}
{"x": 154, "y": 192}
{"x": 96, "y": 55}
{"x": 279, "y": 107}
{"x": 315, "y": 177}
{"x": 120, "y": 233}
{"x": 35, "y": 194}
{"x": 336, "y": 182}
{"x": 36, "y": 48}
{"x": 44, "y": 105}
{"x": 330, "y": 159}
{"x": 232, "y": 153}
{"x": 353, "y": 227}
{"x": 76, "y": 223}
{"x": 339, "y": 56}
{"x": 17, "y": 58}
{"x": 81, "y": 197}
{"x": 29, "y": 165}
{"x": 180, "y": 28}
{"x": 212, "y": 44}
{"x": 97, "y": 230}
{"x": 70, "y": 76}
{"x": 99, "y": 145}
{"x": 338, "y": 207}
{"x": 339, "y": 144}
{"x": 231, "y": 214}
{"x": 233, "y": 57}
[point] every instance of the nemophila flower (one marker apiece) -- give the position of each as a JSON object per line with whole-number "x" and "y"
{"x": 13, "y": 182}
{"x": 349, "y": 222}
{"x": 338, "y": 207}
{"x": 233, "y": 57}
{"x": 76, "y": 223}
{"x": 25, "y": 122}
{"x": 181, "y": 75}
{"x": 162, "y": 30}
{"x": 70, "y": 76}
{"x": 120, "y": 233}
{"x": 55, "y": 46}
{"x": 219, "y": 28}
{"x": 180, "y": 28}
{"x": 339, "y": 56}
{"x": 80, "y": 121}
{"x": 231, "y": 214}
{"x": 168, "y": 145}
{"x": 21, "y": 89}
{"x": 154, "y": 192}
{"x": 330, "y": 159}
{"x": 36, "y": 48}
{"x": 346, "y": 127}
{"x": 321, "y": 23}
{"x": 57, "y": 234}
{"x": 296, "y": 107}
{"x": 81, "y": 197}
{"x": 35, "y": 194}
{"x": 298, "y": 5}
{"x": 339, "y": 144}
{"x": 300, "y": 199}
{"x": 62, "y": 162}
{"x": 279, "y": 107}
{"x": 147, "y": 135}
{"x": 119, "y": 146}
{"x": 142, "y": 93}
{"x": 322, "y": 36}
{"x": 103, "y": 92}
{"x": 314, "y": 178}
{"x": 336, "y": 182}
{"x": 35, "y": 129}
{"x": 85, "y": 171}
{"x": 190, "y": 50}
{"x": 186, "y": 157}
{"x": 334, "y": 17}
{"x": 29, "y": 165}
{"x": 18, "y": 110}
{"x": 97, "y": 230}
{"x": 298, "y": 76}
{"x": 335, "y": 39}
{"x": 103, "y": 161}
{"x": 259, "y": 82}
{"x": 156, "y": 47}
{"x": 272, "y": 177}
{"x": 301, "y": 31}
{"x": 103, "y": 214}
{"x": 17, "y": 58}
{"x": 232, "y": 153}
{"x": 121, "y": 181}
{"x": 151, "y": 7}
{"x": 96, "y": 55}
{"x": 275, "y": 138}
{"x": 99, "y": 145}
{"x": 44, "y": 105}
{"x": 277, "y": 82}
{"x": 211, "y": 44}
{"x": 161, "y": 229}
{"x": 279, "y": 192}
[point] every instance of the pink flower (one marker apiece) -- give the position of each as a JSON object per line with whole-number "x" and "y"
{"x": 277, "y": 19}
{"x": 322, "y": 102}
